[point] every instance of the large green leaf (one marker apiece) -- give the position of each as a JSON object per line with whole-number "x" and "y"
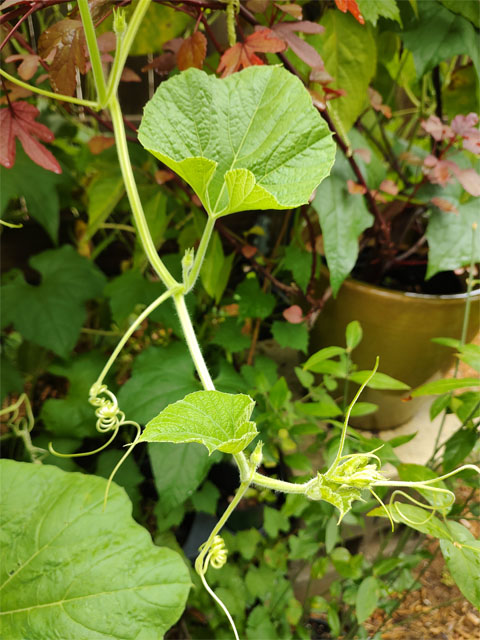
{"x": 37, "y": 186}
{"x": 436, "y": 35}
{"x": 159, "y": 376}
{"x": 217, "y": 420}
{"x": 51, "y": 314}
{"x": 450, "y": 238}
{"x": 343, "y": 217}
{"x": 250, "y": 141}
{"x": 72, "y": 570}
{"x": 349, "y": 52}
{"x": 367, "y": 598}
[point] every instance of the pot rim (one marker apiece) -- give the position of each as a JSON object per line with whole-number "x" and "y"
{"x": 475, "y": 293}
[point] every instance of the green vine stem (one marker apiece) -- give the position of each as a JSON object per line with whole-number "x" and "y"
{"x": 50, "y": 94}
{"x": 93, "y": 50}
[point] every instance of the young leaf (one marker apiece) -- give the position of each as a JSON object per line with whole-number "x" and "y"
{"x": 352, "y": 7}
{"x": 95, "y": 572}
{"x": 220, "y": 140}
{"x": 18, "y": 121}
{"x": 372, "y": 10}
{"x": 214, "y": 419}
{"x": 353, "y": 334}
{"x": 299, "y": 262}
{"x": 229, "y": 336}
{"x": 242, "y": 54}
{"x": 367, "y": 598}
{"x": 324, "y": 354}
{"x": 254, "y": 303}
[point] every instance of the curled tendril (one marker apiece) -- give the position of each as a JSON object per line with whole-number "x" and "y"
{"x": 214, "y": 554}
{"x": 109, "y": 418}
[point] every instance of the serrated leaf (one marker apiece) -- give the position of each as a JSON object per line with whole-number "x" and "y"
{"x": 451, "y": 238}
{"x": 254, "y": 303}
{"x": 52, "y": 313}
{"x": 274, "y": 521}
{"x": 290, "y": 335}
{"x": 437, "y": 34}
{"x": 128, "y": 290}
{"x": 192, "y": 52}
{"x": 372, "y": 10}
{"x": 90, "y": 573}
{"x": 39, "y": 188}
{"x": 212, "y": 418}
{"x": 378, "y": 381}
{"x": 220, "y": 139}
{"x": 343, "y": 218}
{"x": 229, "y": 336}
{"x": 159, "y": 376}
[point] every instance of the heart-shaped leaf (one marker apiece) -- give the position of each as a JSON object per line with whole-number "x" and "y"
{"x": 73, "y": 570}
{"x": 250, "y": 141}
{"x": 217, "y": 420}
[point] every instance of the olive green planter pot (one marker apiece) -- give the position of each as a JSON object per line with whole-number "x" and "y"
{"x": 398, "y": 327}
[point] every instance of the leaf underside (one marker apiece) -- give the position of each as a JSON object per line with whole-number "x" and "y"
{"x": 249, "y": 141}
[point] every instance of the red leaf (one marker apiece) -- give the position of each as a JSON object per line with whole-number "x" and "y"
{"x": 302, "y": 49}
{"x": 242, "y": 55}
{"x": 97, "y": 144}
{"x": 355, "y": 188}
{"x": 29, "y": 65}
{"x": 192, "y": 52}
{"x": 435, "y": 127}
{"x": 292, "y": 9}
{"x": 352, "y": 6}
{"x": 293, "y": 314}
{"x": 444, "y": 205}
{"x": 68, "y": 40}
{"x": 376, "y": 101}
{"x": 18, "y": 121}
{"x": 249, "y": 251}
{"x": 389, "y": 186}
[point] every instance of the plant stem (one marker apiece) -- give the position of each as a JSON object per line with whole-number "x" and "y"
{"x": 134, "y": 198}
{"x": 192, "y": 342}
{"x": 124, "y": 45}
{"x": 145, "y": 313}
{"x": 92, "y": 45}
{"x": 280, "y": 485}
{"x": 50, "y": 94}
{"x": 201, "y": 251}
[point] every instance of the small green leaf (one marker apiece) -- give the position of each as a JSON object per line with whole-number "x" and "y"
{"x": 379, "y": 381}
{"x": 323, "y": 354}
{"x": 470, "y": 354}
{"x": 290, "y": 335}
{"x": 299, "y": 262}
{"x": 76, "y": 570}
{"x": 212, "y": 418}
{"x": 254, "y": 303}
{"x": 372, "y": 10}
{"x": 206, "y": 498}
{"x": 216, "y": 268}
{"x": 445, "y": 385}
{"x": 128, "y": 290}
{"x": 353, "y": 334}
{"x": 274, "y": 521}
{"x": 458, "y": 447}
{"x": 367, "y": 598}
{"x": 220, "y": 139}
{"x": 450, "y": 237}
{"x": 462, "y": 557}
{"x": 229, "y": 336}
{"x": 439, "y": 405}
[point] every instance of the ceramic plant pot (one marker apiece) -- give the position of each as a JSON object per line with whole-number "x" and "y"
{"x": 398, "y": 327}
